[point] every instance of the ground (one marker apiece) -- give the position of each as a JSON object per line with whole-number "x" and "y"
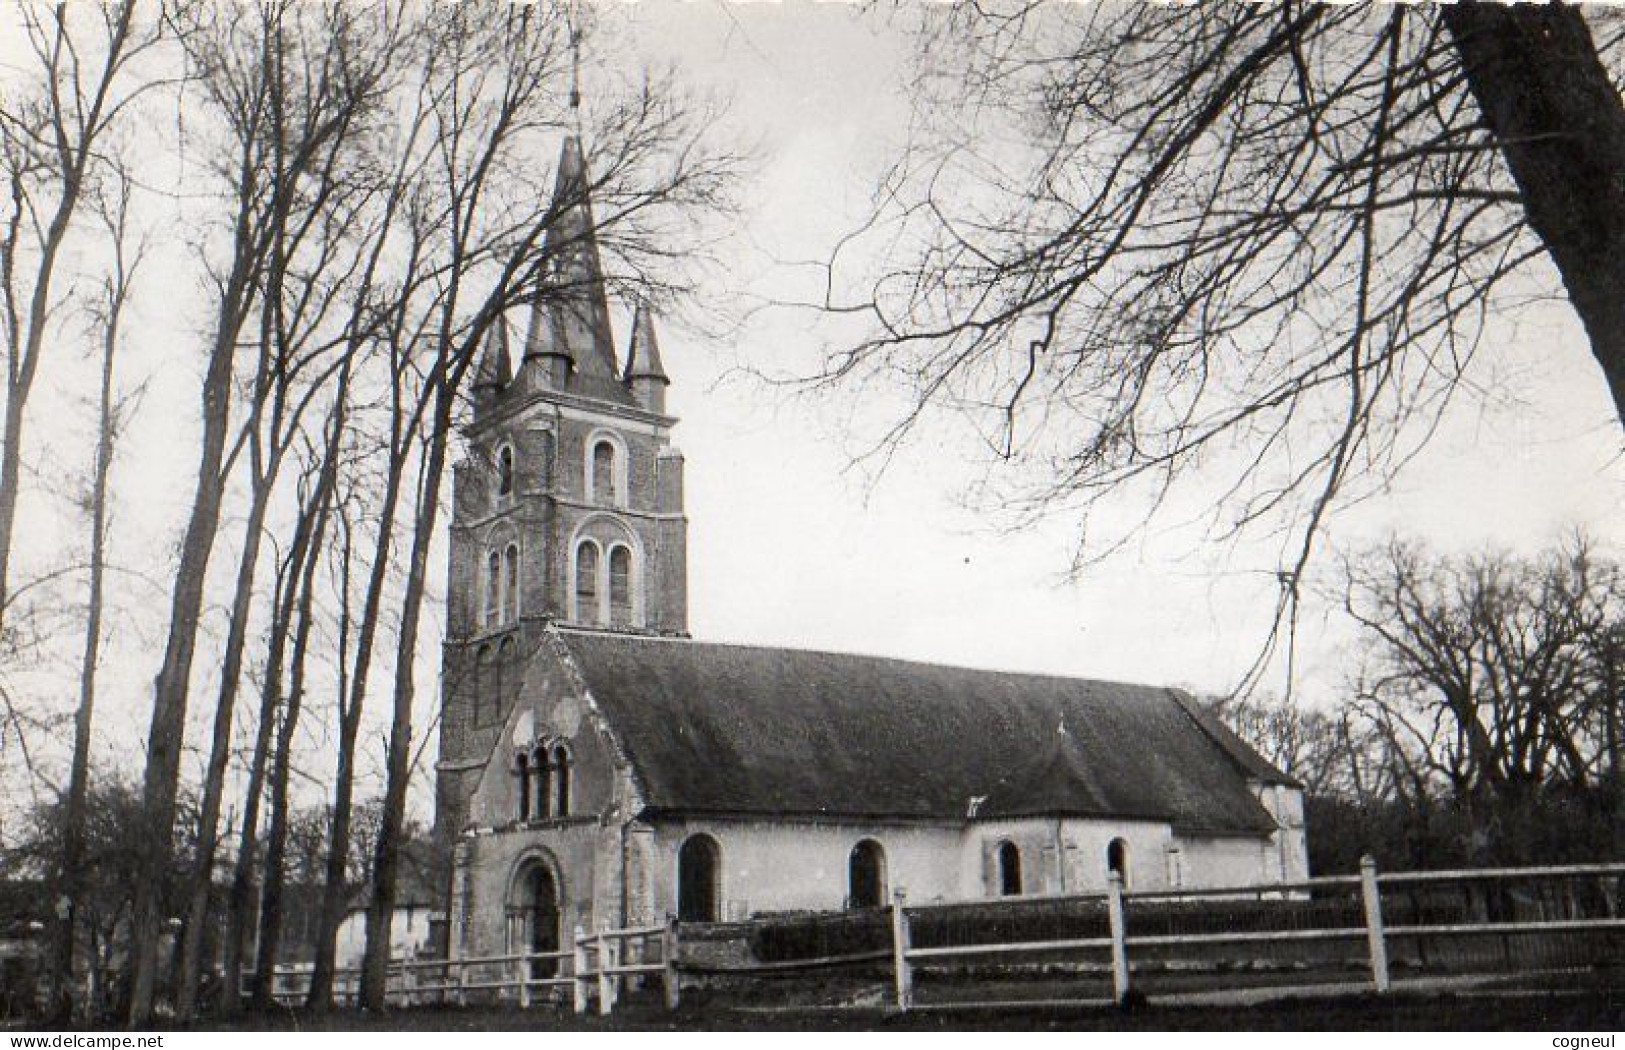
{"x": 1584, "y": 1009}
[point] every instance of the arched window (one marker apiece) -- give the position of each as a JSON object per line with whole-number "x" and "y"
{"x": 507, "y": 678}
{"x": 484, "y": 659}
{"x": 699, "y": 879}
{"x": 542, "y": 774}
{"x": 493, "y": 590}
{"x": 1117, "y": 859}
{"x": 505, "y": 470}
{"x": 561, "y": 781}
{"x": 510, "y": 583}
{"x": 496, "y": 683}
{"x": 620, "y": 585}
{"x": 587, "y": 582}
{"x": 605, "y": 482}
{"x": 866, "y": 875}
{"x": 1009, "y": 869}
{"x": 522, "y": 761}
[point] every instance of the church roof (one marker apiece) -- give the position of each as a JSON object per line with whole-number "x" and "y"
{"x": 744, "y": 730}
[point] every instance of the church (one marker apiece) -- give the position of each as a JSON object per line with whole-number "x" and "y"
{"x": 598, "y": 767}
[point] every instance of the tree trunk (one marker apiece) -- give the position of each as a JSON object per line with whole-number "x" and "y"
{"x": 296, "y": 590}
{"x": 240, "y": 903}
{"x": 276, "y": 840}
{"x": 168, "y": 726}
{"x": 313, "y": 530}
{"x": 88, "y": 104}
{"x": 79, "y": 769}
{"x": 386, "y": 858}
{"x": 24, "y": 365}
{"x": 1560, "y": 123}
{"x": 214, "y": 778}
{"x": 336, "y": 888}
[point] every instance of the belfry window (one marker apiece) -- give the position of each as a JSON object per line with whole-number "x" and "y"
{"x": 505, "y": 470}
{"x": 587, "y": 582}
{"x": 493, "y": 590}
{"x": 620, "y": 585}
{"x": 510, "y": 574}
{"x": 522, "y": 763}
{"x": 605, "y": 471}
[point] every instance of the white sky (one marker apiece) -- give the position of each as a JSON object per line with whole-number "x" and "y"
{"x": 787, "y": 546}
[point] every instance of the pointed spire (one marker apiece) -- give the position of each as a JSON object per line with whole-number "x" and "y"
{"x": 571, "y": 177}
{"x": 541, "y": 341}
{"x": 643, "y": 356}
{"x": 645, "y": 375}
{"x": 580, "y": 307}
{"x": 496, "y": 362}
{"x": 547, "y": 362}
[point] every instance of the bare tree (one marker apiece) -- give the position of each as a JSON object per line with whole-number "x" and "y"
{"x": 1254, "y": 242}
{"x": 116, "y": 291}
{"x": 1483, "y": 681}
{"x": 1304, "y": 743}
{"x": 51, "y": 138}
{"x": 289, "y": 100}
{"x": 311, "y": 259}
{"x": 271, "y": 901}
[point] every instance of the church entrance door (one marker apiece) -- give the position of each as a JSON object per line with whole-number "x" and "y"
{"x": 540, "y": 904}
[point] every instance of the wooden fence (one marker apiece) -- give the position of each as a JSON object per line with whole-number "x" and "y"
{"x": 594, "y": 968}
{"x": 1430, "y": 920}
{"x": 1465, "y": 904}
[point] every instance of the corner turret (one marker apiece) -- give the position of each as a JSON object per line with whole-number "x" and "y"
{"x": 496, "y": 364}
{"x": 645, "y": 375}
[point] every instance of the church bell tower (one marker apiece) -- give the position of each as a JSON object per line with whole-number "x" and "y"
{"x": 568, "y": 507}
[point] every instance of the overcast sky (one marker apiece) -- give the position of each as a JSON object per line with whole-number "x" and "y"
{"x": 788, "y": 546}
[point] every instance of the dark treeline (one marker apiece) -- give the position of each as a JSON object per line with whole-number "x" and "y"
{"x": 1482, "y": 723}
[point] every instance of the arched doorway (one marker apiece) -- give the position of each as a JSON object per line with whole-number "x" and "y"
{"x": 534, "y": 915}
{"x": 866, "y": 875}
{"x": 699, "y": 879}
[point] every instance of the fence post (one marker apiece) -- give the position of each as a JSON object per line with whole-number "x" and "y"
{"x": 1371, "y": 896}
{"x": 578, "y": 970}
{"x": 521, "y": 974}
{"x": 1114, "y": 917}
{"x": 668, "y": 959}
{"x": 605, "y": 1002}
{"x": 462, "y": 982}
{"x": 901, "y": 972}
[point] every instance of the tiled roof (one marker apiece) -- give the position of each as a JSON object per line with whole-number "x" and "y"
{"x": 737, "y": 729}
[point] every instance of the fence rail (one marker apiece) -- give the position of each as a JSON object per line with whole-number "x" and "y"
{"x": 1593, "y": 895}
{"x": 1371, "y": 924}
{"x": 593, "y": 967}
